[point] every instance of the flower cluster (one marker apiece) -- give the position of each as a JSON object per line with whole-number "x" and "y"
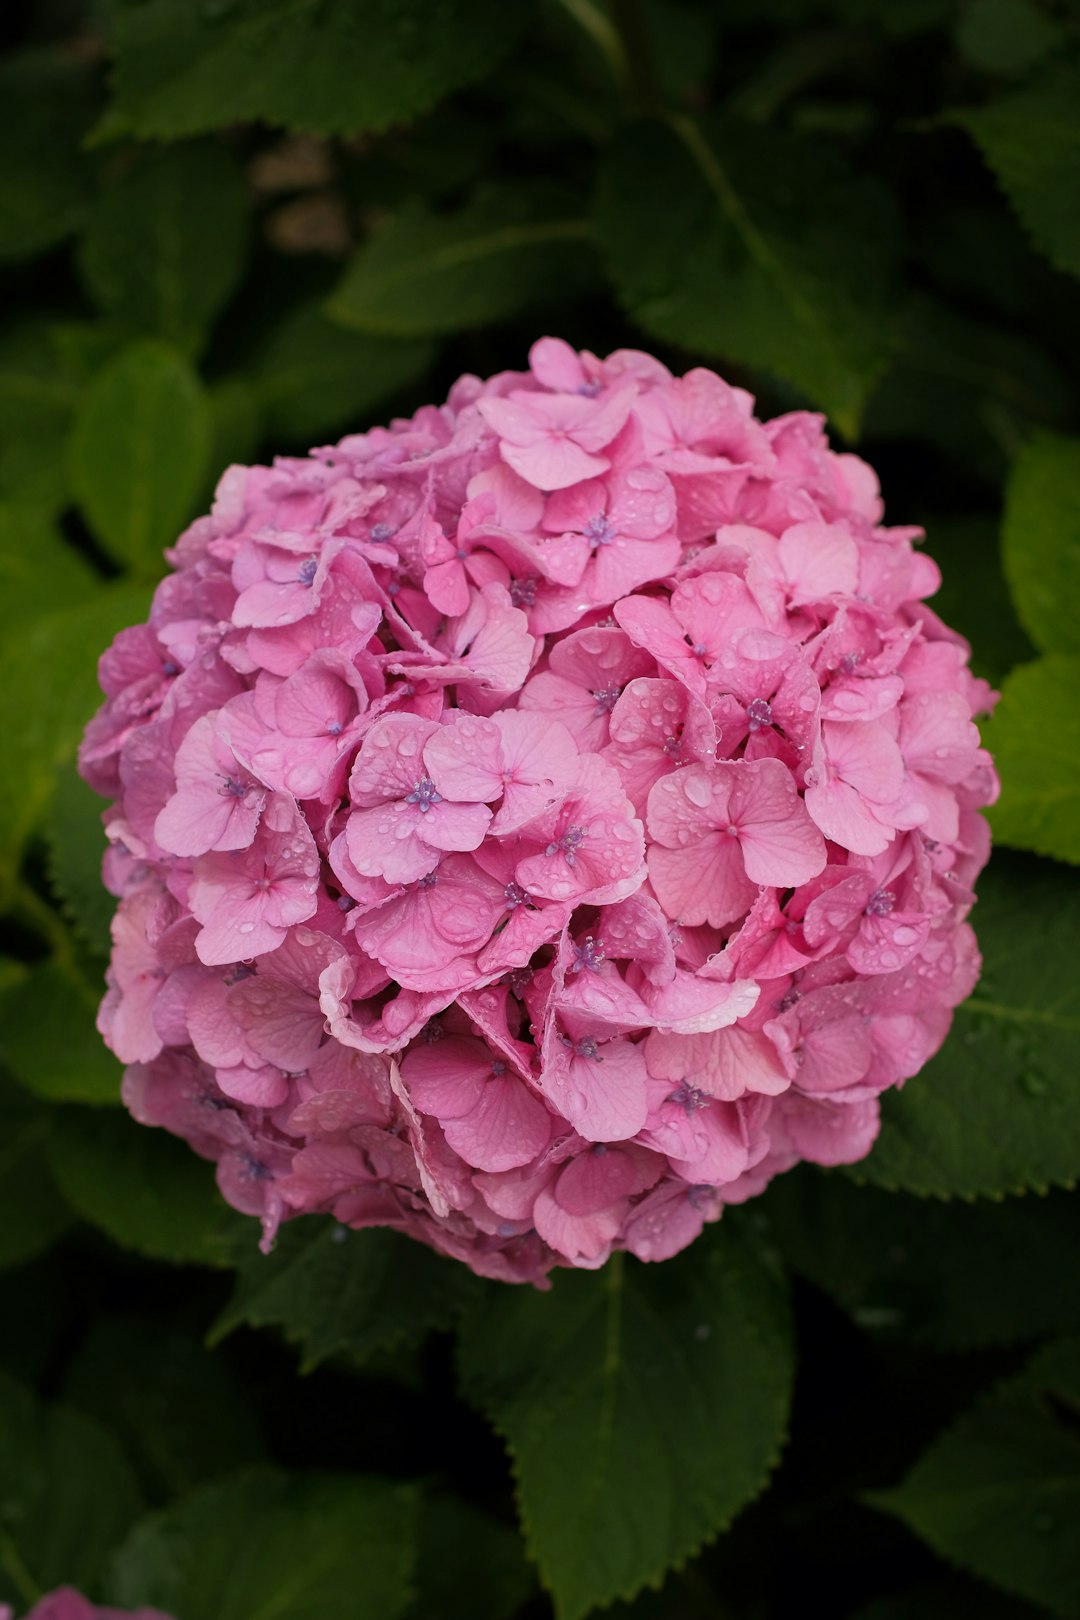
{"x": 541, "y": 821}
{"x": 67, "y": 1604}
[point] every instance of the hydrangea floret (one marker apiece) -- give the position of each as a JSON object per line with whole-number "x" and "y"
{"x": 539, "y": 822}
{"x": 68, "y": 1604}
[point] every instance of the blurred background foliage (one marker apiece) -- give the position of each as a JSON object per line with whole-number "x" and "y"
{"x": 232, "y": 228}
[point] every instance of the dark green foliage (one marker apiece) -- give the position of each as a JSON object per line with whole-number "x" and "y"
{"x": 234, "y": 228}
{"x": 625, "y": 1373}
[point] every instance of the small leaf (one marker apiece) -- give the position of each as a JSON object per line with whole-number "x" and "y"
{"x": 48, "y": 1038}
{"x": 999, "y": 1493}
{"x": 605, "y": 1389}
{"x": 1031, "y": 140}
{"x": 424, "y": 273}
{"x": 165, "y": 244}
{"x": 339, "y": 67}
{"x": 313, "y": 378}
{"x": 1041, "y": 540}
{"x": 67, "y": 1495}
{"x": 333, "y": 1291}
{"x": 297, "y": 1547}
{"x": 139, "y": 453}
{"x": 756, "y": 247}
{"x": 1035, "y": 739}
{"x": 143, "y": 1187}
{"x": 998, "y": 1110}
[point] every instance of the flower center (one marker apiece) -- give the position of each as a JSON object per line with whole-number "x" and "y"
{"x": 424, "y": 795}
{"x": 880, "y": 903}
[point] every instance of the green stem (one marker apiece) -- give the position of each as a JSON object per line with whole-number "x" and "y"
{"x": 604, "y": 35}
{"x": 13, "y": 1566}
{"x": 47, "y": 923}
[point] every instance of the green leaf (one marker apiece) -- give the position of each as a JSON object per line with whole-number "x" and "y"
{"x": 424, "y": 273}
{"x": 146, "y": 1189}
{"x": 329, "y": 66}
{"x": 333, "y": 1291}
{"x": 470, "y": 1565}
{"x": 48, "y": 1039}
{"x": 67, "y": 1495}
{"x": 301, "y": 1547}
{"x": 315, "y": 379}
{"x": 177, "y": 1409}
{"x": 235, "y": 427}
{"x": 166, "y": 243}
{"x": 1005, "y": 36}
{"x": 998, "y": 1110}
{"x": 139, "y": 453}
{"x": 39, "y": 570}
{"x": 756, "y": 247}
{"x": 999, "y": 1493}
{"x": 1041, "y": 540}
{"x": 1031, "y": 140}
{"x": 956, "y": 1276}
{"x": 1035, "y": 738}
{"x": 76, "y": 843}
{"x": 44, "y": 107}
{"x": 32, "y": 1213}
{"x": 643, "y": 1407}
{"x": 974, "y": 597}
{"x": 48, "y": 691}
{"x": 39, "y": 390}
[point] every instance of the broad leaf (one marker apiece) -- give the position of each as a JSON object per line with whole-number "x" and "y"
{"x": 333, "y": 1291}
{"x": 32, "y": 1213}
{"x": 1035, "y": 739}
{"x": 298, "y": 1547}
{"x": 947, "y": 1600}
{"x": 757, "y": 248}
{"x": 75, "y": 839}
{"x": 48, "y": 691}
{"x": 974, "y": 597}
{"x": 146, "y": 1189}
{"x": 67, "y": 1496}
{"x": 643, "y": 1407}
{"x": 44, "y": 108}
{"x": 469, "y": 1565}
{"x": 998, "y": 1110}
{"x": 178, "y": 1411}
{"x": 39, "y": 390}
{"x": 39, "y": 570}
{"x": 1031, "y": 140}
{"x": 957, "y": 1276}
{"x": 139, "y": 453}
{"x": 424, "y": 273}
{"x": 1005, "y": 36}
{"x": 313, "y": 378}
{"x": 165, "y": 244}
{"x": 322, "y": 65}
{"x": 48, "y": 1038}
{"x": 1041, "y": 541}
{"x": 999, "y": 1493}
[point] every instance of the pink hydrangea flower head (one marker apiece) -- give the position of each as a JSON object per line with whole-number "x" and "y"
{"x": 539, "y": 822}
